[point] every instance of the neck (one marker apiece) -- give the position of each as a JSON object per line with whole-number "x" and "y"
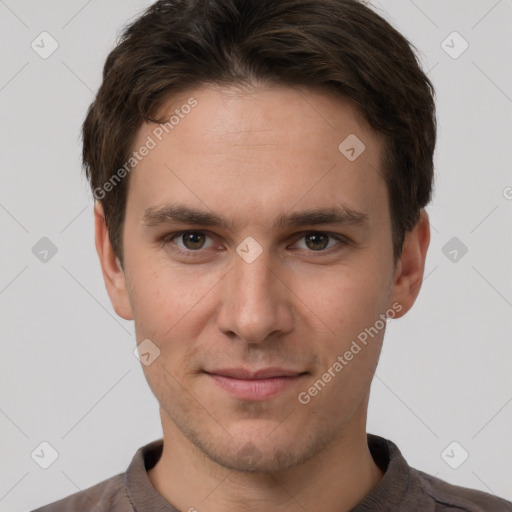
{"x": 335, "y": 479}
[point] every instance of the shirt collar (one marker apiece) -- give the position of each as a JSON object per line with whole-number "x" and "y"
{"x": 396, "y": 483}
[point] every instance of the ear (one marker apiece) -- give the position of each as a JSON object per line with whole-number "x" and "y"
{"x": 113, "y": 274}
{"x": 408, "y": 275}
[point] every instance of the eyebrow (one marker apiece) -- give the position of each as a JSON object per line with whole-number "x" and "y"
{"x": 178, "y": 213}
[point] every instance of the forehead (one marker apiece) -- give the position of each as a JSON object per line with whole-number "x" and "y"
{"x": 266, "y": 148}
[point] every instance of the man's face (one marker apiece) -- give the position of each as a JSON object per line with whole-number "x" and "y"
{"x": 291, "y": 299}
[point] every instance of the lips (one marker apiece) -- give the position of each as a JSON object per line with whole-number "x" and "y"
{"x": 262, "y": 373}
{"x": 250, "y": 384}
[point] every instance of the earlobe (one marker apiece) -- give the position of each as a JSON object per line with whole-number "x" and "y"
{"x": 409, "y": 272}
{"x": 113, "y": 273}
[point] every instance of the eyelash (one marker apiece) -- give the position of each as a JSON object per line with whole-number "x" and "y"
{"x": 168, "y": 239}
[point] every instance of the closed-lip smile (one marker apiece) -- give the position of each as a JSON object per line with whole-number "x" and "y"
{"x": 255, "y": 384}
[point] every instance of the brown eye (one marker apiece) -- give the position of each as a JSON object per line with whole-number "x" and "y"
{"x": 316, "y": 241}
{"x": 189, "y": 243}
{"x": 192, "y": 240}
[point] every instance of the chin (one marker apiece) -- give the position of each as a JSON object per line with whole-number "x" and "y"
{"x": 260, "y": 450}
{"x": 251, "y": 458}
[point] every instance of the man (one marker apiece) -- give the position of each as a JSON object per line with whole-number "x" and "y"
{"x": 261, "y": 169}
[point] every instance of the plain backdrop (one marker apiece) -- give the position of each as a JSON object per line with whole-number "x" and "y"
{"x": 68, "y": 376}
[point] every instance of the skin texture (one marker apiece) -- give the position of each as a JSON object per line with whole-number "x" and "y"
{"x": 251, "y": 155}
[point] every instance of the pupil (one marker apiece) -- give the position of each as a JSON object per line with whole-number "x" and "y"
{"x": 193, "y": 240}
{"x": 317, "y": 241}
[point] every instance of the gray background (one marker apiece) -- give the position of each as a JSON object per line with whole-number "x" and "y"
{"x": 67, "y": 372}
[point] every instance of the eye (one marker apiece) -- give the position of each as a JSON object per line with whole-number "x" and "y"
{"x": 190, "y": 240}
{"x": 317, "y": 241}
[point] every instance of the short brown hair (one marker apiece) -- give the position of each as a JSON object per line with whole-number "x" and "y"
{"x": 335, "y": 45}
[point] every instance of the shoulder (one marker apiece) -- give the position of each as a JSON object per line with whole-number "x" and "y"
{"x": 403, "y": 488}
{"x": 108, "y": 496}
{"x": 448, "y": 496}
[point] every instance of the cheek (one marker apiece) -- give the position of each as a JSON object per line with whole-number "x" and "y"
{"x": 172, "y": 306}
{"x": 163, "y": 293}
{"x": 346, "y": 312}
{"x": 343, "y": 378}
{"x": 342, "y": 301}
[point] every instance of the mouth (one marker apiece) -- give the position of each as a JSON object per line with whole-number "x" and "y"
{"x": 255, "y": 384}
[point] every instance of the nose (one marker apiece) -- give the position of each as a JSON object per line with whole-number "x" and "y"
{"x": 256, "y": 303}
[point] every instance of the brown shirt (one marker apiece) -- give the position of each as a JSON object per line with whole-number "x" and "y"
{"x": 401, "y": 489}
